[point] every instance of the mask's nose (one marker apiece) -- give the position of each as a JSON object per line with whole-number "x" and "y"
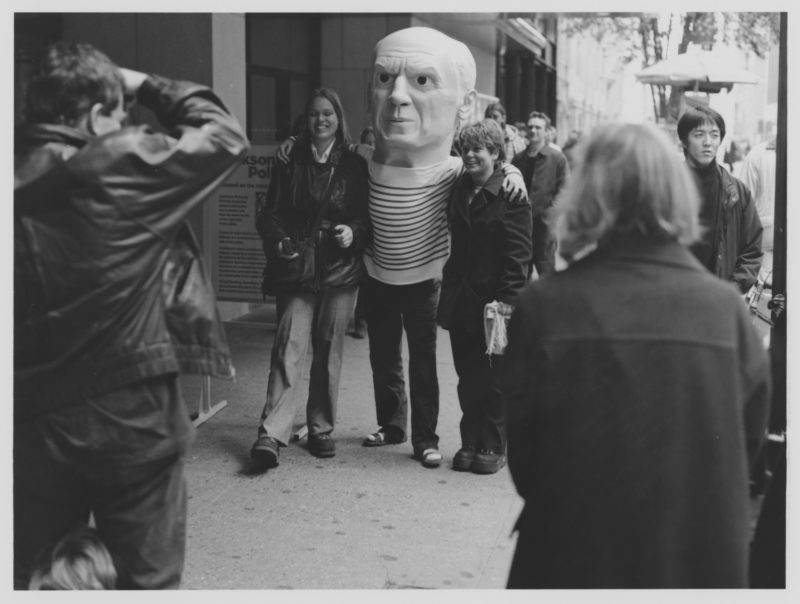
{"x": 399, "y": 94}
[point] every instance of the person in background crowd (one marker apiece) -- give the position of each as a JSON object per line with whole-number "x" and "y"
{"x": 730, "y": 246}
{"x": 570, "y": 148}
{"x": 637, "y": 388}
{"x": 423, "y": 89}
{"x": 358, "y": 328}
{"x": 545, "y": 171}
{"x": 734, "y": 155}
{"x": 758, "y": 175}
{"x": 489, "y": 257}
{"x": 322, "y": 179}
{"x": 111, "y": 301}
{"x": 367, "y": 136}
{"x": 79, "y": 560}
{"x": 552, "y": 138}
{"x": 515, "y": 142}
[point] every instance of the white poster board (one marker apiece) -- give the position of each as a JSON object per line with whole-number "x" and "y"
{"x": 237, "y": 258}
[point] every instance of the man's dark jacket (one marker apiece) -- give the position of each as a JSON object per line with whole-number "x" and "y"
{"x": 489, "y": 253}
{"x": 638, "y": 393}
{"x": 109, "y": 288}
{"x": 737, "y": 234}
{"x": 545, "y": 174}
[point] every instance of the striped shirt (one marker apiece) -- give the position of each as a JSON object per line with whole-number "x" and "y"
{"x": 408, "y": 211}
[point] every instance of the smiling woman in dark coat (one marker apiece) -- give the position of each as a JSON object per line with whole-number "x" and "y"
{"x": 489, "y": 257}
{"x": 637, "y": 388}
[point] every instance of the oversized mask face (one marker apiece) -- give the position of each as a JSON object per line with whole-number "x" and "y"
{"x": 418, "y": 93}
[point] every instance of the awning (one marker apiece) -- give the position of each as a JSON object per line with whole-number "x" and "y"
{"x": 524, "y": 32}
{"x": 699, "y": 70}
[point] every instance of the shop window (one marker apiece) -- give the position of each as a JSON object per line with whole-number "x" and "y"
{"x": 283, "y": 53}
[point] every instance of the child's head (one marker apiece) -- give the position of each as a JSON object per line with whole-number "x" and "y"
{"x": 78, "y": 561}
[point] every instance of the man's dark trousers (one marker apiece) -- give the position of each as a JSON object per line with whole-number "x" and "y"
{"x": 138, "y": 502}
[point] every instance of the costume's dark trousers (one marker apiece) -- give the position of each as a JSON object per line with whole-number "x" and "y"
{"x": 390, "y": 309}
{"x": 483, "y": 420}
{"x": 139, "y": 509}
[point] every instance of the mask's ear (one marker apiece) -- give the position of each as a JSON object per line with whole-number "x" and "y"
{"x": 467, "y": 107}
{"x": 94, "y": 119}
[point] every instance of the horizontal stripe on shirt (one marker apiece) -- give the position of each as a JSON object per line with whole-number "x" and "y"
{"x": 408, "y": 211}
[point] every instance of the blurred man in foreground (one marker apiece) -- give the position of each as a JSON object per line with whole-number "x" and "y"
{"x": 111, "y": 302}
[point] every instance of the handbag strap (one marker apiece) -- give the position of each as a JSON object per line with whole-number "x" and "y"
{"x": 323, "y": 206}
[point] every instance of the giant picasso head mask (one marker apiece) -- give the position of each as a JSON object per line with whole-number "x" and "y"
{"x": 423, "y": 89}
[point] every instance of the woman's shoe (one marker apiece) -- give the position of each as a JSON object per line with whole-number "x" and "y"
{"x": 487, "y": 462}
{"x": 462, "y": 460}
{"x": 359, "y": 330}
{"x": 321, "y": 445}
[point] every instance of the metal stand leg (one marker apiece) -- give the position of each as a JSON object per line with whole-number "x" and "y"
{"x": 205, "y": 410}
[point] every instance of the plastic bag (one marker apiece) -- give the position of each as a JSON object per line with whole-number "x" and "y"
{"x": 495, "y": 324}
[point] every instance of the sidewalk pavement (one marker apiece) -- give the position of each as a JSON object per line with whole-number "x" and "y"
{"x": 368, "y": 518}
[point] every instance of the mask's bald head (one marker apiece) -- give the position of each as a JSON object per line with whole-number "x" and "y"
{"x": 433, "y": 42}
{"x": 423, "y": 89}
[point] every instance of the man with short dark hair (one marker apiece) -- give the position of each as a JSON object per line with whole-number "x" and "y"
{"x": 111, "y": 302}
{"x": 545, "y": 170}
{"x": 731, "y": 244}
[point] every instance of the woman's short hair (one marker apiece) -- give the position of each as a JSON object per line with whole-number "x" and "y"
{"x": 79, "y": 560}
{"x": 68, "y": 81}
{"x": 342, "y": 132}
{"x": 630, "y": 180}
{"x": 486, "y": 133}
{"x": 698, "y": 116}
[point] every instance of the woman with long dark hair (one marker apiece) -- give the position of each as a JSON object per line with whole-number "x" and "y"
{"x": 314, "y": 227}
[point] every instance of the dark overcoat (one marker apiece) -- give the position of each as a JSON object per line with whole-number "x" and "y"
{"x": 489, "y": 253}
{"x": 637, "y": 394}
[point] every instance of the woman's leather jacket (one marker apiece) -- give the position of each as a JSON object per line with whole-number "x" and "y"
{"x": 295, "y": 194}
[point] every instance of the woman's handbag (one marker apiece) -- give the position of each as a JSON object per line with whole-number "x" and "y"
{"x": 282, "y": 274}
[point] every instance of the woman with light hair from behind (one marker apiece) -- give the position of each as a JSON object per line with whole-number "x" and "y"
{"x": 637, "y": 389}
{"x": 629, "y": 180}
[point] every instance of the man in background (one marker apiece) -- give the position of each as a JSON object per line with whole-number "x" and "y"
{"x": 730, "y": 246}
{"x": 545, "y": 171}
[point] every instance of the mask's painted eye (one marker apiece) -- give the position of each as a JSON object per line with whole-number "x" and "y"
{"x": 422, "y": 80}
{"x": 384, "y": 78}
